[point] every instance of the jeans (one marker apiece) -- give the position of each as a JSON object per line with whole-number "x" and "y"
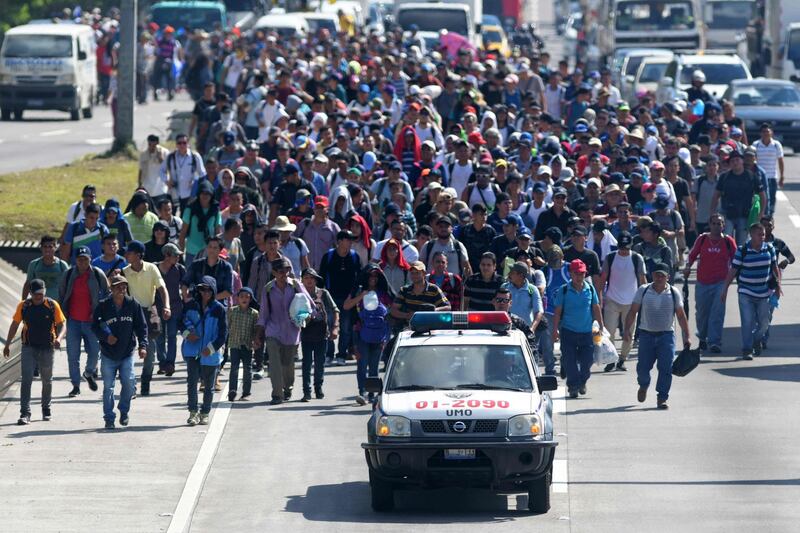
{"x": 754, "y": 315}
{"x": 577, "y": 351}
{"x": 33, "y": 356}
{"x": 345, "y": 330}
{"x": 546, "y": 348}
{"x": 369, "y": 358}
{"x": 737, "y": 228}
{"x": 167, "y": 343}
{"x": 313, "y": 352}
{"x": 613, "y": 315}
{"x": 772, "y": 196}
{"x": 110, "y": 368}
{"x": 149, "y": 362}
{"x": 245, "y": 357}
{"x": 205, "y": 374}
{"x": 78, "y": 331}
{"x": 709, "y": 312}
{"x": 774, "y": 303}
{"x": 659, "y": 349}
{"x": 281, "y": 366}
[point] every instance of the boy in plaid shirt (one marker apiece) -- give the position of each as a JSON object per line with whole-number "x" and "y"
{"x": 242, "y": 320}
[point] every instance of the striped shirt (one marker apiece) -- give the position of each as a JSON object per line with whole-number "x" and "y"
{"x": 431, "y": 294}
{"x": 767, "y": 156}
{"x": 754, "y": 267}
{"x": 481, "y": 293}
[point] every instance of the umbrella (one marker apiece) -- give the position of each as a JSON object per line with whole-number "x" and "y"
{"x": 453, "y": 42}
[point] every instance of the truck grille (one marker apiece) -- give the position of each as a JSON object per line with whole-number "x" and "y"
{"x": 36, "y": 80}
{"x": 447, "y": 426}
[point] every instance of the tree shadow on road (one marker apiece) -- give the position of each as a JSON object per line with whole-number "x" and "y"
{"x": 350, "y": 502}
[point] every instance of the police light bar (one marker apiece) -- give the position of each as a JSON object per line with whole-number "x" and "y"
{"x": 425, "y": 321}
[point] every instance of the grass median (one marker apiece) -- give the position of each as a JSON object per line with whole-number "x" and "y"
{"x": 35, "y": 202}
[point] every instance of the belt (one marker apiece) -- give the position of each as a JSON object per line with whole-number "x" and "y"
{"x": 658, "y": 332}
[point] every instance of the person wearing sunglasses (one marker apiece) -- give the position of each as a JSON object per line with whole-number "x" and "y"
{"x": 502, "y": 302}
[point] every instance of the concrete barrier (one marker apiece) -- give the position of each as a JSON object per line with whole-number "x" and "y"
{"x": 11, "y": 280}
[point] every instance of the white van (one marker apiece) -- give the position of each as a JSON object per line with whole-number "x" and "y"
{"x": 286, "y": 25}
{"x": 48, "y": 67}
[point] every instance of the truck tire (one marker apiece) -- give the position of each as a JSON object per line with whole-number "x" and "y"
{"x": 5, "y": 114}
{"x": 382, "y": 494}
{"x": 539, "y": 494}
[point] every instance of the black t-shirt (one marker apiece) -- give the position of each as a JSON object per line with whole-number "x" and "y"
{"x": 682, "y": 192}
{"x": 285, "y": 194}
{"x": 476, "y": 242}
{"x": 588, "y": 257}
{"x": 200, "y": 108}
{"x": 737, "y": 192}
{"x": 340, "y": 273}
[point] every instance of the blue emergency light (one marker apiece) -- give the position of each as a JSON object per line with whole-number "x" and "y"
{"x": 426, "y": 321}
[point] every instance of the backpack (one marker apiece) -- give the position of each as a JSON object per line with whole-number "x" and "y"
{"x": 49, "y": 305}
{"x": 268, "y": 287}
{"x": 317, "y": 325}
{"x": 672, "y": 291}
{"x": 374, "y": 328}
{"x": 171, "y": 158}
{"x": 636, "y": 264}
{"x": 728, "y": 244}
{"x": 94, "y": 271}
{"x": 426, "y": 251}
{"x": 565, "y": 288}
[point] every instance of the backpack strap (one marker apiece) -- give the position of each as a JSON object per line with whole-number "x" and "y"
{"x": 76, "y": 212}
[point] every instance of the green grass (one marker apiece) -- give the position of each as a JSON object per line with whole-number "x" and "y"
{"x": 35, "y": 202}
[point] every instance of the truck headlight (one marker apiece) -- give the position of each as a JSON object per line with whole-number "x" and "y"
{"x": 525, "y": 426}
{"x": 66, "y": 79}
{"x": 393, "y": 426}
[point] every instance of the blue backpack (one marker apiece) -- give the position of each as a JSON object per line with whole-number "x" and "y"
{"x": 374, "y": 328}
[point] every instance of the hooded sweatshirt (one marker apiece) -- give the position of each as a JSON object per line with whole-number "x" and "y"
{"x": 127, "y": 323}
{"x": 209, "y": 324}
{"x": 152, "y": 250}
{"x": 340, "y": 216}
{"x": 121, "y": 228}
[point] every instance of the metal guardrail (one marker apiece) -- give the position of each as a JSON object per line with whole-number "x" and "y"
{"x": 11, "y": 368}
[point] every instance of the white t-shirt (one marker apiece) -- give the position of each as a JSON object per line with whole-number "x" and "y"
{"x": 295, "y": 253}
{"x": 622, "y": 282}
{"x": 552, "y": 100}
{"x": 150, "y": 166}
{"x": 71, "y": 212}
{"x": 485, "y": 197}
{"x": 235, "y": 67}
{"x": 530, "y": 210}
{"x": 767, "y": 156}
{"x": 409, "y": 251}
{"x": 460, "y": 177}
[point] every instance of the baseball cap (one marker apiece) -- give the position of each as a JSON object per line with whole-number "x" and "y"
{"x": 444, "y": 219}
{"x": 544, "y": 169}
{"x": 84, "y": 251}
{"x": 554, "y": 234}
{"x": 117, "y": 279}
{"x": 658, "y": 266}
{"x": 647, "y": 187}
{"x": 37, "y": 286}
{"x": 170, "y": 249}
{"x": 321, "y": 201}
{"x": 624, "y": 240}
{"x": 579, "y": 231}
{"x": 559, "y": 191}
{"x": 661, "y": 202}
{"x": 539, "y": 187}
{"x": 417, "y": 265}
{"x": 520, "y": 268}
{"x": 577, "y": 266}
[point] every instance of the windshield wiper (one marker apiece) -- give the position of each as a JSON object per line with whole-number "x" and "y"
{"x": 413, "y": 387}
{"x": 484, "y": 386}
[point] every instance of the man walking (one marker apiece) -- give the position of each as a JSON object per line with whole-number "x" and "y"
{"x": 181, "y": 169}
{"x": 658, "y": 303}
{"x": 735, "y": 189}
{"x": 47, "y": 268}
{"x": 577, "y": 305}
{"x": 119, "y": 322}
{"x": 756, "y": 267}
{"x": 769, "y": 154}
{"x": 42, "y": 332}
{"x": 715, "y": 251}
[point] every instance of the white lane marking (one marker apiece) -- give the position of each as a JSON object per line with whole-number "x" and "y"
{"x": 560, "y": 476}
{"x": 781, "y": 196}
{"x": 560, "y": 401}
{"x": 108, "y": 124}
{"x": 54, "y": 133}
{"x": 182, "y": 518}
{"x": 795, "y": 220}
{"x": 96, "y": 142}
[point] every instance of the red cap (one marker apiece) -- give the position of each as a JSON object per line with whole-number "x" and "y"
{"x": 470, "y": 109}
{"x": 476, "y": 138}
{"x": 576, "y": 265}
{"x": 416, "y": 106}
{"x": 321, "y": 200}
{"x": 647, "y": 187}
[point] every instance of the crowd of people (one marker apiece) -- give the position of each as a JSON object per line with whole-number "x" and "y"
{"x": 361, "y": 180}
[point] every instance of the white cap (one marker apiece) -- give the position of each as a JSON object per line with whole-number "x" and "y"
{"x": 544, "y": 169}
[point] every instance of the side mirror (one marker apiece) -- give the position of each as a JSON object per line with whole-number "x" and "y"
{"x": 374, "y": 385}
{"x": 794, "y": 78}
{"x": 544, "y": 383}
{"x": 81, "y": 55}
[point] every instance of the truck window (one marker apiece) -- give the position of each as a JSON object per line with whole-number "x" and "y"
{"x": 716, "y": 74}
{"x": 434, "y": 20}
{"x": 644, "y": 15}
{"x": 38, "y": 46}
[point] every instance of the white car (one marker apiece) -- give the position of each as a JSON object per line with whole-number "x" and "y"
{"x": 720, "y": 70}
{"x": 463, "y": 404}
{"x": 650, "y": 73}
{"x": 625, "y": 64}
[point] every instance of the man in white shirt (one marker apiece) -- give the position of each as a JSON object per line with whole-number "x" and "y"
{"x": 398, "y": 233}
{"x": 769, "y": 154}
{"x": 181, "y": 169}
{"x": 554, "y": 94}
{"x": 605, "y": 81}
{"x": 267, "y": 113}
{"x": 77, "y": 210}
{"x": 461, "y": 169}
{"x": 150, "y": 161}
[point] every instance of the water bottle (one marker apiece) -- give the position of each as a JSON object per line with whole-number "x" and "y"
{"x": 371, "y": 301}
{"x": 597, "y": 335}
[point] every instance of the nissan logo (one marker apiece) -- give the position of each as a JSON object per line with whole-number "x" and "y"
{"x": 459, "y": 427}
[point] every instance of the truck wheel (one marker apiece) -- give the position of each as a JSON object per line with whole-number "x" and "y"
{"x": 75, "y": 114}
{"x": 382, "y": 494}
{"x": 539, "y": 494}
{"x": 5, "y": 114}
{"x": 18, "y": 113}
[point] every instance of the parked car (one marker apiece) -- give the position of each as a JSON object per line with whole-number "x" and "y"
{"x": 768, "y": 100}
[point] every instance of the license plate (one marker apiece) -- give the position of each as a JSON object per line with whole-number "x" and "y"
{"x": 36, "y": 103}
{"x": 459, "y": 454}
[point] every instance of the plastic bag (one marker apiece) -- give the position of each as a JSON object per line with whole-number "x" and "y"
{"x": 299, "y": 310}
{"x": 605, "y": 353}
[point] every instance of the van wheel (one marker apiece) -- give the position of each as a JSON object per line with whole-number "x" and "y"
{"x": 5, "y": 114}
{"x": 539, "y": 494}
{"x": 382, "y": 494}
{"x": 75, "y": 114}
{"x": 18, "y": 113}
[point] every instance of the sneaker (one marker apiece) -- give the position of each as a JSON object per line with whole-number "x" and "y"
{"x": 582, "y": 390}
{"x": 244, "y": 396}
{"x": 662, "y": 404}
{"x": 90, "y": 380}
{"x": 231, "y": 395}
{"x": 360, "y": 400}
{"x": 563, "y": 372}
{"x": 124, "y": 419}
{"x": 609, "y": 367}
{"x": 169, "y": 371}
{"x": 641, "y": 396}
{"x": 757, "y": 348}
{"x": 306, "y": 397}
{"x": 621, "y": 366}
{"x": 161, "y": 372}
{"x": 329, "y": 361}
{"x": 193, "y": 419}
{"x": 24, "y": 420}
{"x": 340, "y": 361}
{"x": 203, "y": 421}
{"x": 715, "y": 348}
{"x": 275, "y": 401}
{"x": 46, "y": 416}
{"x": 257, "y": 375}
{"x": 287, "y": 394}
{"x": 703, "y": 345}
{"x": 573, "y": 394}
{"x": 110, "y": 424}
{"x": 746, "y": 355}
{"x": 76, "y": 390}
{"x": 319, "y": 394}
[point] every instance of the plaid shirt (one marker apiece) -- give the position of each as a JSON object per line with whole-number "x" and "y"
{"x": 241, "y": 327}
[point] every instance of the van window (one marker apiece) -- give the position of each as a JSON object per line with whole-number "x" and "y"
{"x": 434, "y": 20}
{"x": 38, "y": 46}
{"x": 187, "y": 18}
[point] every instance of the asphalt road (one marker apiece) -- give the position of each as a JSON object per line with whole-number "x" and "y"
{"x": 50, "y": 138}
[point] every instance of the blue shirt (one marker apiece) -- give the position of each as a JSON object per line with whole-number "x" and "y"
{"x": 525, "y": 301}
{"x": 754, "y": 269}
{"x": 555, "y": 280}
{"x": 576, "y": 307}
{"x": 105, "y": 266}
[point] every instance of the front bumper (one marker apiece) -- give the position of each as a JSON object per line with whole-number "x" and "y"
{"x": 60, "y": 97}
{"x": 498, "y": 464}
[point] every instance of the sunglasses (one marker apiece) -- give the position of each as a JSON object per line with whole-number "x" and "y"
{"x": 181, "y": 142}
{"x": 502, "y": 300}
{"x": 204, "y": 289}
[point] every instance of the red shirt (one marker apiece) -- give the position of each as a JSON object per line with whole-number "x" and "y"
{"x": 80, "y": 303}
{"x": 715, "y": 258}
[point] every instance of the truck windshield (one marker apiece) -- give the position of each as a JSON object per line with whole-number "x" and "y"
{"x": 38, "y": 46}
{"x": 434, "y": 20}
{"x": 189, "y": 19}
{"x": 793, "y": 46}
{"x": 454, "y": 367}
{"x": 716, "y": 74}
{"x": 769, "y": 95}
{"x": 730, "y": 15}
{"x": 644, "y": 15}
